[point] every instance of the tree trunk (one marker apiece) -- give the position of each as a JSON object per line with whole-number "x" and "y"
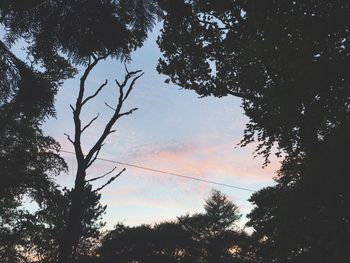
{"x": 70, "y": 238}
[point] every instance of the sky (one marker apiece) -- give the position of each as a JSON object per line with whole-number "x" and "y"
{"x": 172, "y": 130}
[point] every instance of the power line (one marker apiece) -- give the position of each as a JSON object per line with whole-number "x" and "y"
{"x": 169, "y": 173}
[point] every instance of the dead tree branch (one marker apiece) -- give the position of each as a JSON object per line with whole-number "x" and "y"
{"x": 131, "y": 77}
{"x": 71, "y": 234}
{"x": 95, "y": 94}
{"x": 109, "y": 181}
{"x": 69, "y": 138}
{"x": 109, "y": 106}
{"x": 100, "y": 177}
{"x": 87, "y": 125}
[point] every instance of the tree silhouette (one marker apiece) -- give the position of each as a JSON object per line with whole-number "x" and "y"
{"x": 289, "y": 62}
{"x": 71, "y": 237}
{"x": 77, "y": 29}
{"x": 215, "y": 232}
{"x": 59, "y": 35}
{"x": 52, "y": 222}
{"x": 162, "y": 243}
{"x": 208, "y": 237}
{"x": 309, "y": 205}
{"x": 28, "y": 158}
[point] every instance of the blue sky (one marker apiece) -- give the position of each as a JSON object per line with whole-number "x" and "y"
{"x": 173, "y": 130}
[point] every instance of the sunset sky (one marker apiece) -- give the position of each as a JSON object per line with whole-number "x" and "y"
{"x": 174, "y": 131}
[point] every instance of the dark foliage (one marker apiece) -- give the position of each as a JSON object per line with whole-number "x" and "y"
{"x": 28, "y": 158}
{"x": 57, "y": 35}
{"x": 208, "y": 237}
{"x": 77, "y": 28}
{"x": 288, "y": 60}
{"x": 306, "y": 217}
{"x": 27, "y": 236}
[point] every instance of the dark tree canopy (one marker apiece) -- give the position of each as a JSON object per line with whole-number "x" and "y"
{"x": 288, "y": 60}
{"x": 27, "y": 236}
{"x": 60, "y": 34}
{"x": 78, "y": 28}
{"x": 306, "y": 216}
{"x": 209, "y": 237}
{"x": 57, "y": 33}
{"x": 57, "y": 36}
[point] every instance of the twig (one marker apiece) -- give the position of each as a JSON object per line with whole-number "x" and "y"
{"x": 127, "y": 113}
{"x": 109, "y": 181}
{"x": 71, "y": 106}
{"x": 69, "y": 139}
{"x": 110, "y": 106}
{"x": 100, "y": 177}
{"x": 87, "y": 125}
{"x": 132, "y": 85}
{"x": 95, "y": 94}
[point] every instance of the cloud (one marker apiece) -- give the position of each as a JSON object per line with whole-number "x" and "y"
{"x": 219, "y": 161}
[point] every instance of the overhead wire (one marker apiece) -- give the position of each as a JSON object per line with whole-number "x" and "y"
{"x": 170, "y": 173}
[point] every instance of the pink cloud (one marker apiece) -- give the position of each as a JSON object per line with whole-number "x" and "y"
{"x": 220, "y": 161}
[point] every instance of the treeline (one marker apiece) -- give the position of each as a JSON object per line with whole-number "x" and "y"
{"x": 289, "y": 62}
{"x": 216, "y": 235}
{"x": 212, "y": 236}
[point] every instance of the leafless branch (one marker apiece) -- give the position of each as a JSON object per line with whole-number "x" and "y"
{"x": 93, "y": 159}
{"x": 132, "y": 85}
{"x": 117, "y": 111}
{"x": 78, "y": 107}
{"x": 110, "y": 106}
{"x": 69, "y": 139}
{"x": 126, "y": 78}
{"x": 100, "y": 177}
{"x": 109, "y": 181}
{"x": 87, "y": 125}
{"x": 127, "y": 113}
{"x": 96, "y": 93}
{"x": 126, "y": 68}
{"x": 71, "y": 106}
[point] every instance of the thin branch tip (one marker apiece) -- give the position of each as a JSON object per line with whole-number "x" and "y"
{"x": 69, "y": 138}
{"x": 87, "y": 125}
{"x": 109, "y": 181}
{"x": 110, "y": 106}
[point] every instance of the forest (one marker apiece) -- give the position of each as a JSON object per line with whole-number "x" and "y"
{"x": 288, "y": 63}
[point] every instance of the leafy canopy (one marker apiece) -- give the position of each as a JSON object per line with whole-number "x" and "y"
{"x": 288, "y": 60}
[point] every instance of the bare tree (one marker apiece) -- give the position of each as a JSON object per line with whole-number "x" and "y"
{"x": 71, "y": 235}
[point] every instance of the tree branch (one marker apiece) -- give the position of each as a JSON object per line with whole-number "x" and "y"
{"x": 126, "y": 68}
{"x": 117, "y": 110}
{"x": 87, "y": 125}
{"x": 91, "y": 161}
{"x": 95, "y": 94}
{"x": 69, "y": 139}
{"x": 109, "y": 181}
{"x": 241, "y": 95}
{"x": 78, "y": 107}
{"x": 132, "y": 84}
{"x": 71, "y": 106}
{"x": 100, "y": 177}
{"x": 214, "y": 24}
{"x": 128, "y": 112}
{"x": 110, "y": 106}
